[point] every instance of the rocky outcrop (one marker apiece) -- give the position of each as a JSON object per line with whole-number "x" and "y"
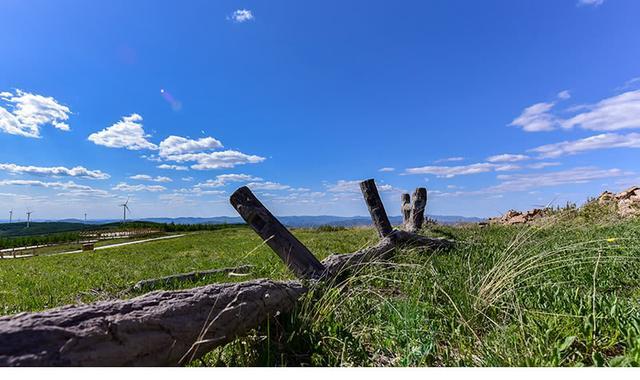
{"x": 626, "y": 203}
{"x": 517, "y": 217}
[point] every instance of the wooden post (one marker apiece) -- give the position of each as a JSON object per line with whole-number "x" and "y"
{"x": 417, "y": 208}
{"x": 405, "y": 209}
{"x": 376, "y": 208}
{"x": 294, "y": 254}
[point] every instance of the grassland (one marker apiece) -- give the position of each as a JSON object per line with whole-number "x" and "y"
{"x": 562, "y": 293}
{"x": 37, "y": 283}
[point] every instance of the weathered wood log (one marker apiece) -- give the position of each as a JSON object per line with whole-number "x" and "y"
{"x": 376, "y": 208}
{"x": 182, "y": 277}
{"x": 418, "y": 205}
{"x": 338, "y": 264}
{"x": 294, "y": 254}
{"x": 405, "y": 208}
{"x": 156, "y": 329}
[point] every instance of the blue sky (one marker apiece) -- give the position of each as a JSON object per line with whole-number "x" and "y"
{"x": 491, "y": 105}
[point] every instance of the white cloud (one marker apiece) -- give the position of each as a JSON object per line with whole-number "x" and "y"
{"x": 55, "y": 171}
{"x": 542, "y": 165}
{"x": 524, "y": 182}
{"x": 187, "y": 179}
{"x": 602, "y": 141}
{"x": 27, "y": 113}
{"x": 173, "y": 167}
{"x": 386, "y": 170}
{"x": 564, "y": 95}
{"x": 122, "y": 186}
{"x": 126, "y": 133}
{"x": 198, "y": 192}
{"x": 176, "y": 145}
{"x": 267, "y": 185}
{"x": 593, "y": 3}
{"x": 507, "y": 168}
{"x": 69, "y": 185}
{"x": 353, "y": 186}
{"x": 449, "y": 159}
{"x": 241, "y": 15}
{"x": 216, "y": 160}
{"x": 532, "y": 181}
{"x": 146, "y": 177}
{"x": 452, "y": 171}
{"x": 223, "y": 179}
{"x": 507, "y": 158}
{"x": 536, "y": 118}
{"x": 611, "y": 114}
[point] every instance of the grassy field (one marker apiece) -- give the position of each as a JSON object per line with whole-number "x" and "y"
{"x": 564, "y": 293}
{"x": 37, "y": 283}
{"x": 561, "y": 294}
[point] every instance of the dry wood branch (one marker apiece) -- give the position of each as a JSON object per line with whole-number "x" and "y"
{"x": 183, "y": 277}
{"x": 155, "y": 329}
{"x": 376, "y": 208}
{"x": 294, "y": 254}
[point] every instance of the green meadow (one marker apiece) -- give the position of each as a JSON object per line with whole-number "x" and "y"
{"x": 565, "y": 292}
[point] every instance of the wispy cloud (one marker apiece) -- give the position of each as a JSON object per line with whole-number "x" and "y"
{"x": 55, "y": 171}
{"x": 507, "y": 158}
{"x": 267, "y": 185}
{"x": 26, "y": 113}
{"x": 386, "y": 170}
{"x": 216, "y": 160}
{"x": 534, "y": 181}
{"x": 224, "y": 179}
{"x": 146, "y": 177}
{"x": 449, "y": 159}
{"x": 122, "y": 186}
{"x": 602, "y": 141}
{"x": 593, "y": 3}
{"x": 611, "y": 114}
{"x": 69, "y": 185}
{"x": 452, "y": 171}
{"x": 524, "y": 182}
{"x": 241, "y": 15}
{"x": 353, "y": 186}
{"x": 127, "y": 133}
{"x": 173, "y": 167}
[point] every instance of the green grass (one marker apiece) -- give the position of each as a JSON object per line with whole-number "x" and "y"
{"x": 37, "y": 283}
{"x": 564, "y": 293}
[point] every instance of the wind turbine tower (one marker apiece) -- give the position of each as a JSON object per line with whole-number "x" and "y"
{"x": 29, "y": 217}
{"x": 125, "y": 208}
{"x": 10, "y": 216}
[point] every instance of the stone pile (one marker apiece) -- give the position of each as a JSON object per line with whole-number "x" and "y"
{"x": 627, "y": 203}
{"x": 517, "y": 217}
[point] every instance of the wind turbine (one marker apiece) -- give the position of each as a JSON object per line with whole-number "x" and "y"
{"x": 10, "y": 216}
{"x": 29, "y": 217}
{"x": 125, "y": 208}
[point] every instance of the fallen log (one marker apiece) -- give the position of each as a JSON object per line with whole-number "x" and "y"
{"x": 183, "y": 277}
{"x": 163, "y": 328}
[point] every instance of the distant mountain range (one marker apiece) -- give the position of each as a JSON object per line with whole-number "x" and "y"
{"x": 290, "y": 221}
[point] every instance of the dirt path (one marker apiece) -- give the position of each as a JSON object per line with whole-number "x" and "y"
{"x": 105, "y": 246}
